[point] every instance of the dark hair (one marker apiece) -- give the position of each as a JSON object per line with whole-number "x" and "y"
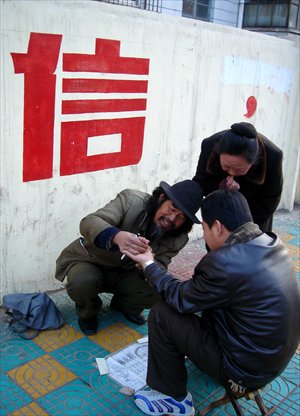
{"x": 229, "y": 207}
{"x": 240, "y": 140}
{"x": 154, "y": 203}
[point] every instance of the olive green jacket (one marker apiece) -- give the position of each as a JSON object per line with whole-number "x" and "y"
{"x": 126, "y": 212}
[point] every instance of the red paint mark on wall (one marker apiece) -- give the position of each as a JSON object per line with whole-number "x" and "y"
{"x": 251, "y": 105}
{"x": 106, "y": 59}
{"x": 104, "y": 85}
{"x": 39, "y": 65}
{"x": 74, "y": 143}
{"x": 94, "y": 106}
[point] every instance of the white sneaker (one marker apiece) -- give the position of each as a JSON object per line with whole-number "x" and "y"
{"x": 152, "y": 402}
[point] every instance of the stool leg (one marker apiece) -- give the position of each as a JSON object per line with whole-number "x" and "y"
{"x": 221, "y": 401}
{"x": 234, "y": 402}
{"x": 257, "y": 397}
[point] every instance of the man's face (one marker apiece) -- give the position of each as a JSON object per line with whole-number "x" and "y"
{"x": 234, "y": 165}
{"x": 212, "y": 236}
{"x": 168, "y": 217}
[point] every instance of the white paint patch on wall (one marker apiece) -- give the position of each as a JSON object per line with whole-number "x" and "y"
{"x": 252, "y": 72}
{"x": 109, "y": 143}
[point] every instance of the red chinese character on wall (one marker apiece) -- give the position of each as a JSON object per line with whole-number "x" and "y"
{"x": 109, "y": 71}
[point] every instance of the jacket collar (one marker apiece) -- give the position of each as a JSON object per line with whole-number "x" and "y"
{"x": 244, "y": 233}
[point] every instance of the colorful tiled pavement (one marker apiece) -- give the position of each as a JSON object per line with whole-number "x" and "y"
{"x": 55, "y": 373}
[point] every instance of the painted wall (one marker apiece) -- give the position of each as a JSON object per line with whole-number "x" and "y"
{"x": 96, "y": 98}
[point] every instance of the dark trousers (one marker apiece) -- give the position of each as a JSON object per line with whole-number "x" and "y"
{"x": 172, "y": 336}
{"x": 86, "y": 280}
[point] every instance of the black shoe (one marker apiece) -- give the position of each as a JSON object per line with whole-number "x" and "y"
{"x": 137, "y": 319}
{"x": 88, "y": 326}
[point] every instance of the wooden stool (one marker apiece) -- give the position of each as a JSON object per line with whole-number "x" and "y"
{"x": 233, "y": 397}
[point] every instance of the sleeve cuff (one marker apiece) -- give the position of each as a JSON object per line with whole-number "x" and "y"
{"x": 103, "y": 239}
{"x": 147, "y": 263}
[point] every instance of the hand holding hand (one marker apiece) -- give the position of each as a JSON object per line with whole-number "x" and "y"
{"x": 140, "y": 258}
{"x": 132, "y": 242}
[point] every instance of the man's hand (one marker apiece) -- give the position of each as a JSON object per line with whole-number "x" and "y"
{"x": 141, "y": 258}
{"x": 231, "y": 184}
{"x": 132, "y": 242}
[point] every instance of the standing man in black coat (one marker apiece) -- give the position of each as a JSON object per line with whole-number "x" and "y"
{"x": 244, "y": 160}
{"x": 248, "y": 294}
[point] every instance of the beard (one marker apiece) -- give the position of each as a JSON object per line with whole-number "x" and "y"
{"x": 154, "y": 232}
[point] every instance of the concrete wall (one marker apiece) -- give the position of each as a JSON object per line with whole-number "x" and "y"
{"x": 64, "y": 154}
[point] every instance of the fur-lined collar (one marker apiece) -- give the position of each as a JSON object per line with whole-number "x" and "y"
{"x": 244, "y": 233}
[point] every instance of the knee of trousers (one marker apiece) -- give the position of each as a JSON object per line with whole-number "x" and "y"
{"x": 82, "y": 285}
{"x": 158, "y": 313}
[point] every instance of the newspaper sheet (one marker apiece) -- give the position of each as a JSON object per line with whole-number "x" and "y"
{"x": 128, "y": 366}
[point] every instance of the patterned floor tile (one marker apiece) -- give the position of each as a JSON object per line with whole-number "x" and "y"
{"x": 115, "y": 337}
{"x": 295, "y": 241}
{"x": 78, "y": 399}
{"x": 284, "y": 237}
{"x": 40, "y": 376}
{"x": 289, "y": 406}
{"x": 200, "y": 383}
{"x": 16, "y": 351}
{"x": 52, "y": 340}
{"x": 292, "y": 372}
{"x": 32, "y": 409}
{"x": 79, "y": 357}
{"x": 276, "y": 392}
{"x": 103, "y": 384}
{"x": 12, "y": 397}
{"x": 294, "y": 251}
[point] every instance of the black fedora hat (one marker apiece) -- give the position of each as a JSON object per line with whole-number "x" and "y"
{"x": 186, "y": 196}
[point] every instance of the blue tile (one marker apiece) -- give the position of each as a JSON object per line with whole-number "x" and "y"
{"x": 12, "y": 397}
{"x": 296, "y": 240}
{"x": 17, "y": 351}
{"x": 276, "y": 392}
{"x": 290, "y": 406}
{"x": 292, "y": 371}
{"x": 79, "y": 399}
{"x": 199, "y": 384}
{"x": 79, "y": 357}
{"x": 293, "y": 401}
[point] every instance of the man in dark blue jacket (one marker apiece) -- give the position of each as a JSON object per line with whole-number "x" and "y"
{"x": 248, "y": 294}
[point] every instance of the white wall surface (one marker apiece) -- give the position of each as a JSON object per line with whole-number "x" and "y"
{"x": 200, "y": 78}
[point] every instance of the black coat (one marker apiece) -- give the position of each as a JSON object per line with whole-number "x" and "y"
{"x": 261, "y": 186}
{"x": 249, "y": 294}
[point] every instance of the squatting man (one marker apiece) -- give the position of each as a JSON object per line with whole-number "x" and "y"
{"x": 247, "y": 291}
{"x": 134, "y": 220}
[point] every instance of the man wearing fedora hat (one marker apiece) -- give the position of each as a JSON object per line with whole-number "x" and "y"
{"x": 136, "y": 221}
